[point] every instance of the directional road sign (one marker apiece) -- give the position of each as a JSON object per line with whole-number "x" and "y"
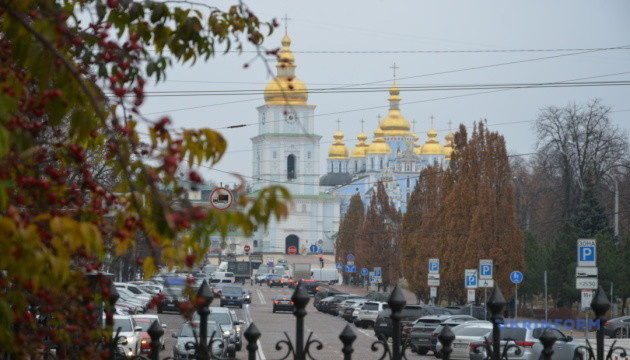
{"x": 364, "y": 271}
{"x": 472, "y": 281}
{"x": 313, "y": 248}
{"x": 351, "y": 269}
{"x": 516, "y": 277}
{"x": 377, "y": 272}
{"x": 434, "y": 266}
{"x": 339, "y": 266}
{"x": 485, "y": 269}
{"x": 587, "y": 254}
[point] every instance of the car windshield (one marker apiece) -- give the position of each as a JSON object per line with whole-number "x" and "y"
{"x": 123, "y": 324}
{"x": 221, "y": 318}
{"x": 275, "y": 277}
{"x": 232, "y": 290}
{"x": 144, "y": 323}
{"x": 174, "y": 290}
{"x": 189, "y": 331}
{"x": 471, "y": 331}
{"x": 370, "y": 306}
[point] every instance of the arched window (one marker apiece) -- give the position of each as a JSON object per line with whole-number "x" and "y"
{"x": 291, "y": 167}
{"x": 255, "y": 243}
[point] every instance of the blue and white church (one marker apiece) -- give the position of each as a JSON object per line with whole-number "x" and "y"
{"x": 286, "y": 152}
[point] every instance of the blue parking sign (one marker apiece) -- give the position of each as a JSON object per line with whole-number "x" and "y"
{"x": 486, "y": 270}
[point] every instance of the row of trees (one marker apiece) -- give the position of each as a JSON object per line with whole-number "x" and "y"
{"x": 460, "y": 215}
{"x": 524, "y": 213}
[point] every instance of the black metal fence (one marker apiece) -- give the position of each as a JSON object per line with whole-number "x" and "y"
{"x": 302, "y": 348}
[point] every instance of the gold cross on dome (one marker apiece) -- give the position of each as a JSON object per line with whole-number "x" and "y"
{"x": 394, "y": 67}
{"x": 449, "y": 125}
{"x": 286, "y": 23}
{"x": 338, "y": 123}
{"x": 432, "y": 118}
{"x": 362, "y": 121}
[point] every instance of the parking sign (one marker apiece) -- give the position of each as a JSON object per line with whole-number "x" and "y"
{"x": 471, "y": 278}
{"x": 485, "y": 269}
{"x": 587, "y": 252}
{"x": 434, "y": 266}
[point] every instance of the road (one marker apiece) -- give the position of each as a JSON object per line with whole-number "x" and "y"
{"x": 273, "y": 326}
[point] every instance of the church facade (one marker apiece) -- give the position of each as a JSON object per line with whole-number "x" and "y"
{"x": 394, "y": 156}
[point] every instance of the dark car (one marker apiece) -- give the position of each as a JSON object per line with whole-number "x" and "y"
{"x": 275, "y": 280}
{"x": 311, "y": 286}
{"x": 322, "y": 305}
{"x": 324, "y": 293}
{"x": 618, "y": 327}
{"x": 383, "y": 323}
{"x": 171, "y": 298}
{"x": 232, "y": 295}
{"x": 333, "y": 305}
{"x": 283, "y": 303}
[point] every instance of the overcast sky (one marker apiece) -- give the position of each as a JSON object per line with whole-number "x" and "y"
{"x": 353, "y": 44}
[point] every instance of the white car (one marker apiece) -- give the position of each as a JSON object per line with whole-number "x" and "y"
{"x": 128, "y": 334}
{"x": 465, "y": 334}
{"x": 368, "y": 313}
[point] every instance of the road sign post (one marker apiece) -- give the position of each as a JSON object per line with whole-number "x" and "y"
{"x": 586, "y": 271}
{"x": 485, "y": 279}
{"x": 516, "y": 277}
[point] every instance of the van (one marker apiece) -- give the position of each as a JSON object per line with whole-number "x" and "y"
{"x": 223, "y": 277}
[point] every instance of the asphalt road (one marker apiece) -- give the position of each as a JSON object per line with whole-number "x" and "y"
{"x": 278, "y": 326}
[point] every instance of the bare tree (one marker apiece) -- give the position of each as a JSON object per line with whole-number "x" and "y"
{"x": 579, "y": 144}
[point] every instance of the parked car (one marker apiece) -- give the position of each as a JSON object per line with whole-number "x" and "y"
{"x": 135, "y": 290}
{"x": 232, "y": 295}
{"x": 220, "y": 345}
{"x": 351, "y": 311}
{"x": 333, "y": 305}
{"x": 479, "y": 312}
{"x": 465, "y": 334}
{"x": 368, "y": 313}
{"x": 145, "y": 321}
{"x": 275, "y": 280}
{"x": 128, "y": 334}
{"x": 345, "y": 304}
{"x": 324, "y": 293}
{"x": 383, "y": 323}
{"x": 283, "y": 303}
{"x": 420, "y": 331}
{"x": 530, "y": 347}
{"x": 434, "y": 335}
{"x": 618, "y": 327}
{"x": 128, "y": 297}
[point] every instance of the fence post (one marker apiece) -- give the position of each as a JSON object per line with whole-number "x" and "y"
{"x": 204, "y": 298}
{"x": 396, "y": 303}
{"x": 547, "y": 340}
{"x": 155, "y": 331}
{"x": 446, "y": 338}
{"x": 300, "y": 298}
{"x": 252, "y": 334}
{"x": 600, "y": 306}
{"x": 347, "y": 337}
{"x": 496, "y": 304}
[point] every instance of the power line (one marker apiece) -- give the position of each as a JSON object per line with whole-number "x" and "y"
{"x": 470, "y": 51}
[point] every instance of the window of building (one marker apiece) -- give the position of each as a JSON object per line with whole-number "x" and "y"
{"x": 255, "y": 243}
{"x": 308, "y": 155}
{"x": 381, "y": 164}
{"x": 408, "y": 182}
{"x": 339, "y": 167}
{"x": 275, "y": 154}
{"x": 356, "y": 166}
{"x": 291, "y": 167}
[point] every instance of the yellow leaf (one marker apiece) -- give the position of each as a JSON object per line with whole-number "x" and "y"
{"x": 149, "y": 267}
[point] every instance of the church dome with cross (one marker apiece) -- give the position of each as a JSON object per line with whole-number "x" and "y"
{"x": 395, "y": 154}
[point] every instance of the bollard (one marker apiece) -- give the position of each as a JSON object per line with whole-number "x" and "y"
{"x": 396, "y": 303}
{"x": 252, "y": 334}
{"x": 496, "y": 304}
{"x": 347, "y": 337}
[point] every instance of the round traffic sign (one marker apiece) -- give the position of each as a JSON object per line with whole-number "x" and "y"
{"x": 221, "y": 198}
{"x": 350, "y": 257}
{"x": 246, "y": 248}
{"x": 292, "y": 250}
{"x": 364, "y": 271}
{"x": 516, "y": 277}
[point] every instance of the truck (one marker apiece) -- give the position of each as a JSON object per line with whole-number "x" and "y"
{"x": 301, "y": 271}
{"x": 330, "y": 276}
{"x": 242, "y": 270}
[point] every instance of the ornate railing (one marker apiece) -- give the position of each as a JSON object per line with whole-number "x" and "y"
{"x": 303, "y": 349}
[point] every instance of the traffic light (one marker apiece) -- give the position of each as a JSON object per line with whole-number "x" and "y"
{"x": 321, "y": 261}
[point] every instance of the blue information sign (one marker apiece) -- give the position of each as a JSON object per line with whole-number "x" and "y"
{"x": 516, "y": 277}
{"x": 471, "y": 281}
{"x": 313, "y": 248}
{"x": 486, "y": 270}
{"x": 364, "y": 271}
{"x": 351, "y": 268}
{"x": 339, "y": 266}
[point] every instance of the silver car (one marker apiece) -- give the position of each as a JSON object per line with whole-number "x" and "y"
{"x": 526, "y": 338}
{"x": 465, "y": 334}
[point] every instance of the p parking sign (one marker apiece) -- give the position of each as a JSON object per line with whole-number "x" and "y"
{"x": 587, "y": 252}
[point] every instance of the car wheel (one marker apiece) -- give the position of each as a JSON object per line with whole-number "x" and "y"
{"x": 274, "y": 310}
{"x": 621, "y": 333}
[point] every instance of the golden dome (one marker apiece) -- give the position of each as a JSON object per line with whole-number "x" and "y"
{"x": 394, "y": 123}
{"x": 338, "y": 149}
{"x": 432, "y": 145}
{"x": 285, "y": 88}
{"x": 378, "y": 145}
{"x": 448, "y": 148}
{"x": 361, "y": 147}
{"x": 417, "y": 149}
